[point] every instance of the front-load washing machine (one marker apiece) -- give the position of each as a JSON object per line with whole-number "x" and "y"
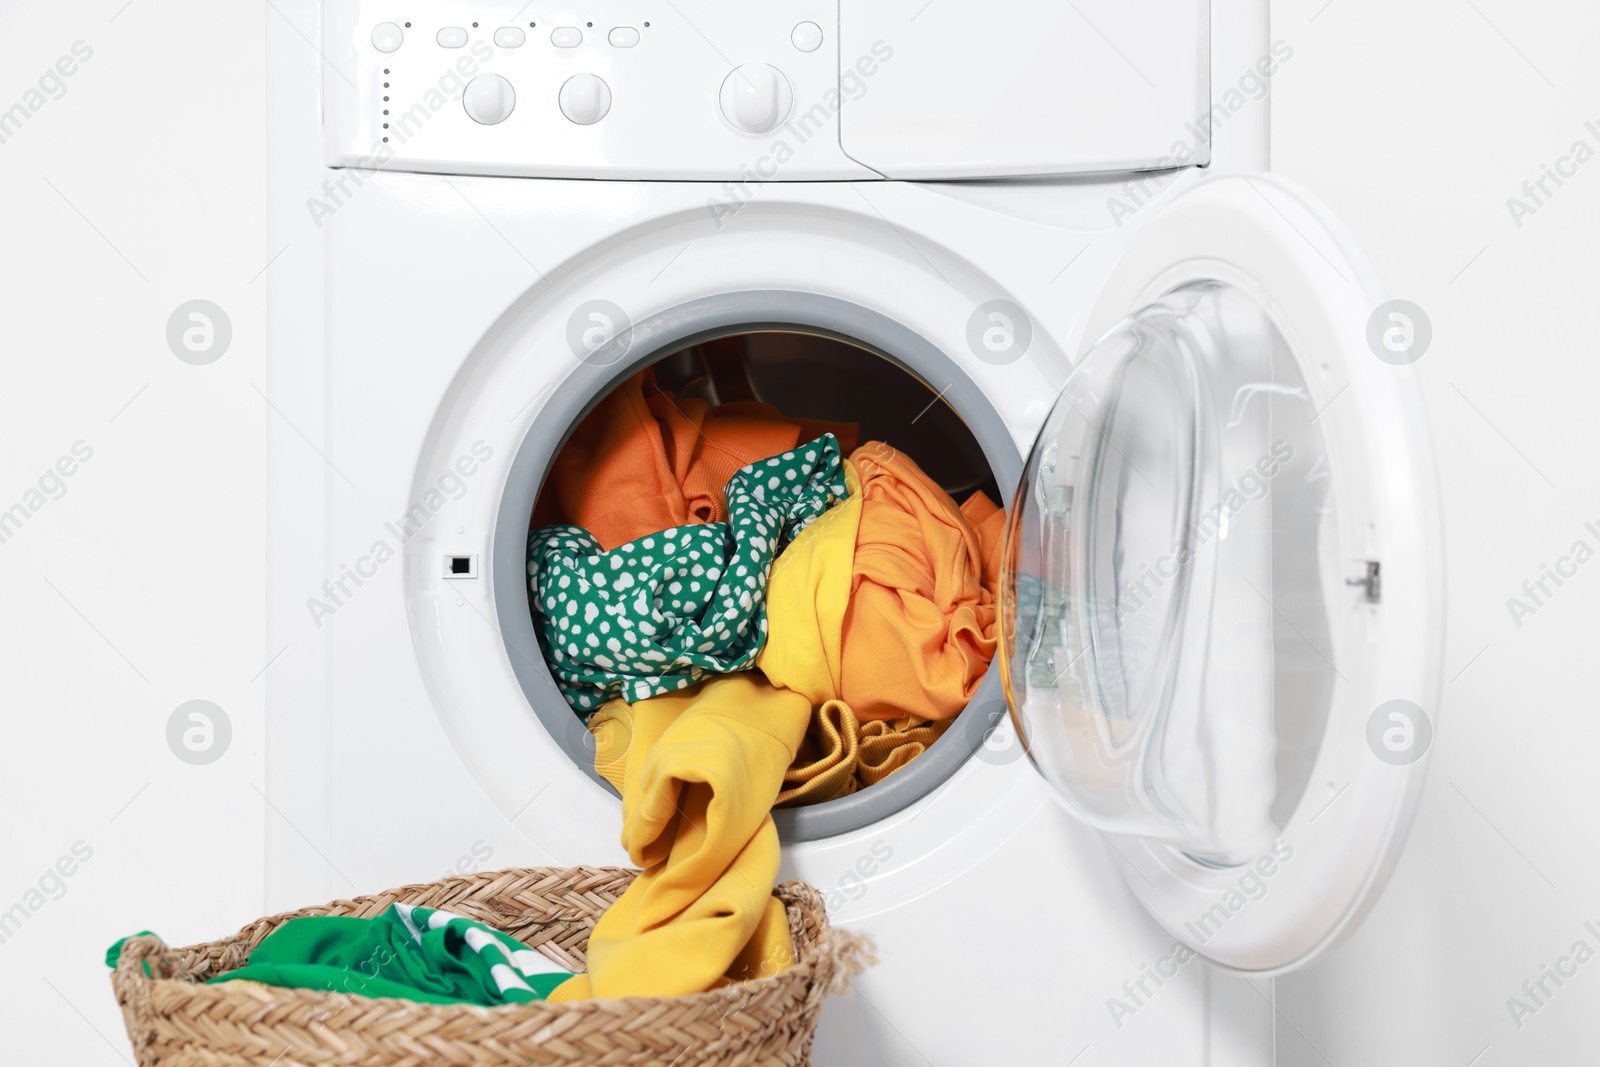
{"x": 1032, "y": 244}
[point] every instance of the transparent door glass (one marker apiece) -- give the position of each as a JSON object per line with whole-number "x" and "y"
{"x": 1171, "y": 580}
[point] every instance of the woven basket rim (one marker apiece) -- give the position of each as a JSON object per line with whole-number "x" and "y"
{"x": 809, "y": 955}
{"x": 174, "y": 1018}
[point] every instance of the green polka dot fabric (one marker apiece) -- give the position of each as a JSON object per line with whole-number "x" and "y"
{"x": 668, "y": 610}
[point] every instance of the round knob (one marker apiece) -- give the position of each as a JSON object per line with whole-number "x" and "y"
{"x": 489, "y": 99}
{"x": 756, "y": 98}
{"x": 585, "y": 99}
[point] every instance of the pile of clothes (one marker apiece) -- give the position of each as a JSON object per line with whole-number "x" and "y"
{"x": 749, "y": 611}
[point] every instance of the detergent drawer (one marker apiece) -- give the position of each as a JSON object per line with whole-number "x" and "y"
{"x": 1018, "y": 88}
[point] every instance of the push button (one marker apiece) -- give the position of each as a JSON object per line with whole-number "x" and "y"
{"x": 624, "y": 37}
{"x": 452, "y": 37}
{"x": 509, "y": 37}
{"x": 566, "y": 37}
{"x": 386, "y": 37}
{"x": 807, "y": 37}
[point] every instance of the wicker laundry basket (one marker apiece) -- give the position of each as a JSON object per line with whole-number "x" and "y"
{"x": 174, "y": 1020}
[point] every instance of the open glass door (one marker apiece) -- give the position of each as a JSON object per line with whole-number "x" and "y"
{"x": 1222, "y": 568}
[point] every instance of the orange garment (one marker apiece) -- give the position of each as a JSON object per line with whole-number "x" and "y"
{"x": 841, "y": 755}
{"x": 922, "y": 622}
{"x": 646, "y": 461}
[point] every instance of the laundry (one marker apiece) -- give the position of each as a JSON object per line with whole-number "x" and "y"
{"x": 698, "y": 772}
{"x": 808, "y": 598}
{"x": 887, "y": 745}
{"x": 669, "y": 609}
{"x": 645, "y": 461}
{"x": 841, "y": 755}
{"x": 888, "y": 602}
{"x": 922, "y": 622}
{"x": 407, "y": 952}
{"x": 824, "y": 768}
{"x": 808, "y": 594}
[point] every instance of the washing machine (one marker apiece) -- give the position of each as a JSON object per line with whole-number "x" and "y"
{"x": 1037, "y": 247}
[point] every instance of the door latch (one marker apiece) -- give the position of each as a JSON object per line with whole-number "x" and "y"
{"x": 1371, "y": 582}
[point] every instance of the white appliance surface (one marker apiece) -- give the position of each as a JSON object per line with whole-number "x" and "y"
{"x": 209, "y": 501}
{"x": 431, "y": 322}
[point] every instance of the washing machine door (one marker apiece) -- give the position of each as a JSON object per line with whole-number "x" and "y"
{"x": 1222, "y": 617}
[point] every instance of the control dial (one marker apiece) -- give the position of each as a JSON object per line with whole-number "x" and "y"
{"x": 756, "y": 98}
{"x": 585, "y": 99}
{"x": 489, "y": 99}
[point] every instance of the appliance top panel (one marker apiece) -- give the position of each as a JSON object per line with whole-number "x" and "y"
{"x": 802, "y": 90}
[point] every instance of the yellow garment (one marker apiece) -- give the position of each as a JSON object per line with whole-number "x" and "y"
{"x": 808, "y": 593}
{"x": 698, "y": 772}
{"x": 887, "y": 745}
{"x": 841, "y": 755}
{"x": 825, "y": 768}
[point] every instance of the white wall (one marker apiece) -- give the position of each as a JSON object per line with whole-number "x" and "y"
{"x": 139, "y": 188}
{"x": 1416, "y": 122}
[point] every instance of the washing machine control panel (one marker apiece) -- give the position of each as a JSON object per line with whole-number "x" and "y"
{"x": 667, "y": 89}
{"x": 788, "y": 91}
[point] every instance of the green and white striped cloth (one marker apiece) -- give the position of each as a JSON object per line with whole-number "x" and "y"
{"x": 514, "y": 968}
{"x": 412, "y": 953}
